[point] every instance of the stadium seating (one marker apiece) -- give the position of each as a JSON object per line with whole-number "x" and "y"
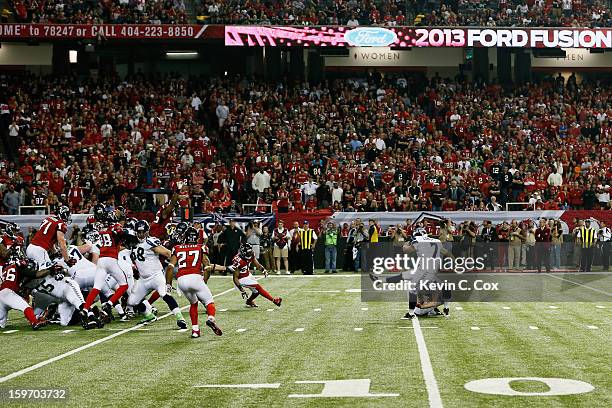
{"x": 393, "y": 143}
{"x": 95, "y": 12}
{"x": 557, "y": 13}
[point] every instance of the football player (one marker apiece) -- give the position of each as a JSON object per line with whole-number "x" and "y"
{"x": 18, "y": 269}
{"x": 190, "y": 258}
{"x": 240, "y": 269}
{"x": 151, "y": 274}
{"x": 177, "y": 236}
{"x": 108, "y": 264}
{"x": 430, "y": 250}
{"x": 51, "y": 231}
{"x": 163, "y": 217}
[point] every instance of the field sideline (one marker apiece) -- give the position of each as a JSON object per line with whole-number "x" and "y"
{"x": 322, "y": 332}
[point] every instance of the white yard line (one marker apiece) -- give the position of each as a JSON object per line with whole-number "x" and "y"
{"x": 299, "y": 329}
{"x": 533, "y": 328}
{"x": 322, "y": 291}
{"x": 68, "y": 331}
{"x": 89, "y": 345}
{"x": 433, "y": 392}
{"x": 592, "y": 327}
{"x": 358, "y": 329}
{"x": 475, "y": 328}
{"x": 251, "y": 386}
{"x": 240, "y": 330}
{"x": 10, "y": 331}
{"x": 580, "y": 284}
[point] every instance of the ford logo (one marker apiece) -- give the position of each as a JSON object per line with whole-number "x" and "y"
{"x": 370, "y": 37}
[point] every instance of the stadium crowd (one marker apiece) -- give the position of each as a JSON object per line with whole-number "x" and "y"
{"x": 98, "y": 12}
{"x": 503, "y": 13}
{"x": 394, "y": 143}
{"x": 557, "y": 13}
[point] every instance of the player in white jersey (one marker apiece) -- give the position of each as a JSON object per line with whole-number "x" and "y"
{"x": 429, "y": 254}
{"x": 151, "y": 274}
{"x": 63, "y": 290}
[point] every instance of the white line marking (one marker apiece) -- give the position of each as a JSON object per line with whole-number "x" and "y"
{"x": 138, "y": 329}
{"x": 318, "y": 309}
{"x": 412, "y": 328}
{"x": 505, "y": 308}
{"x": 552, "y": 307}
{"x": 322, "y": 291}
{"x": 475, "y": 328}
{"x": 269, "y": 310}
{"x": 10, "y": 331}
{"x": 240, "y": 330}
{"x": 89, "y": 345}
{"x": 358, "y": 329}
{"x": 364, "y": 309}
{"x": 67, "y": 331}
{"x": 533, "y": 328}
{"x": 592, "y": 327}
{"x": 352, "y": 290}
{"x": 433, "y": 393}
{"x": 600, "y": 307}
{"x": 252, "y": 386}
{"x": 182, "y": 330}
{"x": 223, "y": 310}
{"x": 299, "y": 329}
{"x": 580, "y": 284}
{"x": 458, "y": 308}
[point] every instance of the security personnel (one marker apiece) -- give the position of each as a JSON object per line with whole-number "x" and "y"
{"x": 373, "y": 231}
{"x": 308, "y": 240}
{"x": 605, "y": 238}
{"x": 588, "y": 237}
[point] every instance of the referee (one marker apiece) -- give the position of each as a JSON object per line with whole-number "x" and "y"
{"x": 605, "y": 237}
{"x": 308, "y": 240}
{"x": 588, "y": 238}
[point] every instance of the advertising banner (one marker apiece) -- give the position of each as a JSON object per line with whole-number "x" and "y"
{"x": 407, "y": 37}
{"x": 102, "y": 31}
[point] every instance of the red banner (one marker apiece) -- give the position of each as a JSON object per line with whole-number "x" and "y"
{"x": 102, "y": 31}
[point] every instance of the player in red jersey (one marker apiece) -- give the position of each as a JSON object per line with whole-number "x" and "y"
{"x": 51, "y": 231}
{"x": 110, "y": 241}
{"x": 17, "y": 270}
{"x": 163, "y": 217}
{"x": 243, "y": 278}
{"x": 10, "y": 241}
{"x": 190, "y": 258}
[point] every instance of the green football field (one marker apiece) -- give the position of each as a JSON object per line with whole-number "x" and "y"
{"x": 324, "y": 348}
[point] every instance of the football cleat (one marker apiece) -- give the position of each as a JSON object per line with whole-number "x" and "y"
{"x": 84, "y": 319}
{"x": 148, "y": 318}
{"x": 251, "y": 303}
{"x": 181, "y": 323}
{"x": 277, "y": 301}
{"x": 195, "y": 334}
{"x": 408, "y": 316}
{"x": 38, "y": 324}
{"x": 95, "y": 318}
{"x": 436, "y": 312}
{"x": 50, "y": 311}
{"x": 446, "y": 311}
{"x": 107, "y": 312}
{"x": 125, "y": 317}
{"x": 213, "y": 326}
{"x": 154, "y": 310}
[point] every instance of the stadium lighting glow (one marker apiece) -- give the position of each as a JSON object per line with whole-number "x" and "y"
{"x": 182, "y": 54}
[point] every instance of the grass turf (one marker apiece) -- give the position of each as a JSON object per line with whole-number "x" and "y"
{"x": 160, "y": 366}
